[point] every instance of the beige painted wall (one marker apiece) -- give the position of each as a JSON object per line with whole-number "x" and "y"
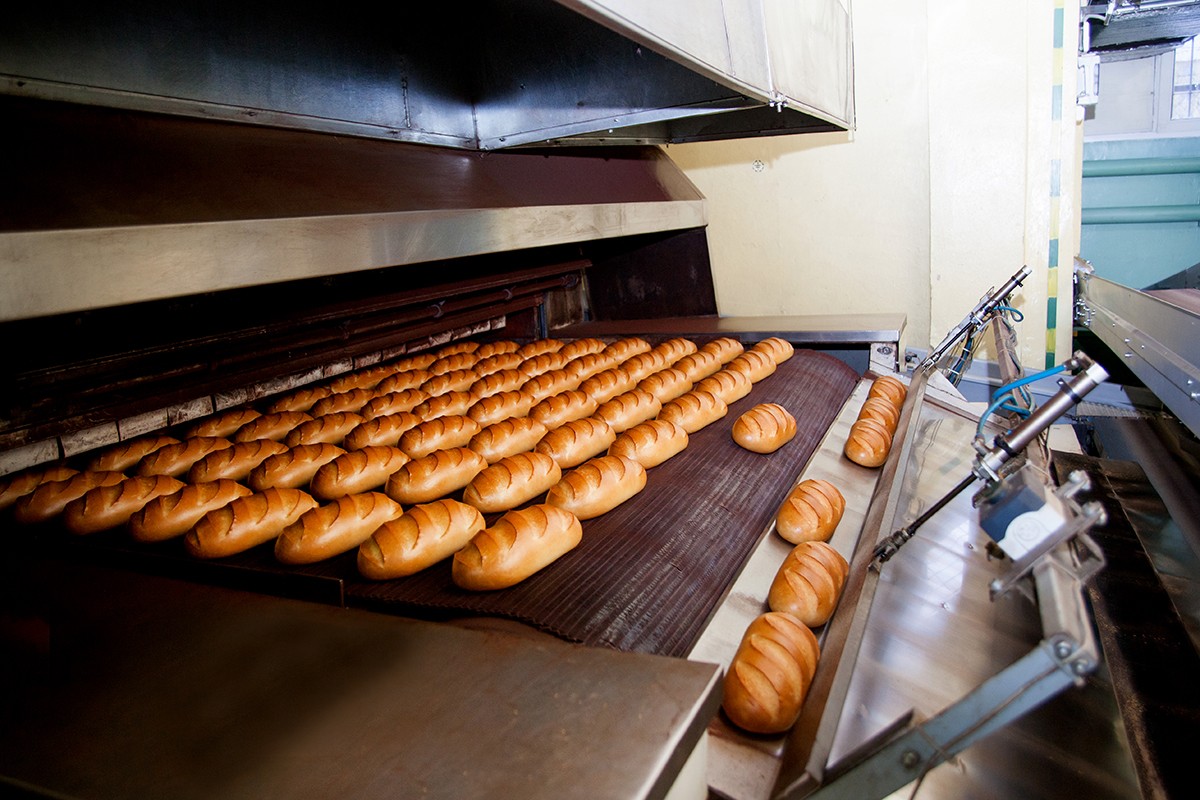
{"x": 941, "y": 192}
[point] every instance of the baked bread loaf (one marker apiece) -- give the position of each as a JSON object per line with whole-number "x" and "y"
{"x": 888, "y": 387}
{"x": 650, "y": 443}
{"x": 357, "y": 471}
{"x": 458, "y": 380}
{"x": 500, "y": 406}
{"x": 414, "y": 361}
{"x": 170, "y": 515}
{"x": 698, "y": 365}
{"x": 582, "y": 347}
{"x": 384, "y": 430}
{"x": 868, "y": 443}
{"x": 328, "y": 428}
{"x": 780, "y": 350}
{"x": 301, "y": 399}
{"x": 450, "y": 404}
{"x": 176, "y": 459}
{"x": 574, "y": 442}
{"x": 754, "y": 364}
{"x": 548, "y": 384}
{"x": 605, "y": 385}
{"x": 366, "y": 378}
{"x": 539, "y": 346}
{"x": 329, "y": 530}
{"x": 340, "y": 402}
{"x": 643, "y": 364}
{"x": 507, "y": 438}
{"x": 270, "y": 426}
{"x": 694, "y": 410}
{"x": 498, "y": 347}
{"x": 764, "y": 428}
{"x": 521, "y": 543}
{"x": 438, "y": 434}
{"x": 14, "y": 487}
{"x": 881, "y": 410}
{"x": 436, "y": 475}
{"x": 293, "y": 468}
{"x": 809, "y": 583}
{"x": 399, "y": 381}
{"x": 541, "y": 364}
{"x": 597, "y": 487}
{"x": 223, "y": 424}
{"x": 564, "y": 407}
{"x": 674, "y": 349}
{"x": 770, "y": 674}
{"x": 811, "y": 512}
{"x": 246, "y": 522}
{"x": 499, "y": 362}
{"x": 456, "y": 347}
{"x": 726, "y": 348}
{"x": 234, "y": 462}
{"x": 51, "y": 497}
{"x": 122, "y": 456}
{"x": 629, "y": 409}
{"x": 666, "y": 384}
{"x": 455, "y": 362}
{"x": 109, "y": 506}
{"x": 512, "y": 481}
{"x": 387, "y": 404}
{"x": 504, "y": 380}
{"x": 727, "y": 384}
{"x": 585, "y": 366}
{"x": 418, "y": 539}
{"x": 625, "y": 348}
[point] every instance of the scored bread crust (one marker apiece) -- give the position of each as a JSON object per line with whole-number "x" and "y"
{"x": 25, "y": 482}
{"x": 357, "y": 471}
{"x": 564, "y": 407}
{"x": 292, "y": 468}
{"x": 507, "y": 438}
{"x": 868, "y": 443}
{"x": 329, "y": 428}
{"x": 177, "y": 459}
{"x": 521, "y": 543}
{"x": 764, "y": 428}
{"x": 629, "y": 409}
{"x": 435, "y": 475}
{"x": 576, "y": 441}
{"x": 122, "y": 456}
{"x": 769, "y": 676}
{"x": 811, "y": 512}
{"x": 172, "y": 515}
{"x": 438, "y": 434}
{"x": 512, "y": 481}
{"x": 234, "y": 462}
{"x": 598, "y": 486}
{"x": 666, "y": 384}
{"x": 51, "y": 497}
{"x": 809, "y": 583}
{"x": 651, "y": 442}
{"x": 329, "y": 530}
{"x": 109, "y": 506}
{"x": 246, "y": 522}
{"x": 386, "y": 430}
{"x": 418, "y": 539}
{"x": 271, "y": 426}
{"x": 694, "y": 410}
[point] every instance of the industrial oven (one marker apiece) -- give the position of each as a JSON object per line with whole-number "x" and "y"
{"x": 216, "y": 209}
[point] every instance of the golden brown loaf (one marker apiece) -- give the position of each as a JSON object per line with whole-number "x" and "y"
{"x": 399, "y": 381}
{"x": 564, "y": 407}
{"x": 666, "y": 384}
{"x": 541, "y": 364}
{"x": 698, "y": 365}
{"x": 507, "y": 438}
{"x": 643, "y": 364}
{"x": 51, "y": 497}
{"x": 811, "y": 512}
{"x": 540, "y": 346}
{"x": 246, "y": 522}
{"x": 500, "y": 362}
{"x": 780, "y": 350}
{"x": 357, "y": 471}
{"x": 301, "y": 399}
{"x": 436, "y": 475}
{"x": 521, "y": 543}
{"x": 176, "y": 459}
{"x": 629, "y": 409}
{"x": 576, "y": 441}
{"x": 234, "y": 462}
{"x": 754, "y": 364}
{"x": 650, "y": 443}
{"x": 438, "y": 434}
{"x": 223, "y": 424}
{"x": 385, "y": 430}
{"x": 512, "y": 481}
{"x": 334, "y": 528}
{"x": 367, "y": 378}
{"x": 764, "y": 428}
{"x": 726, "y": 348}
{"x": 582, "y": 347}
{"x": 674, "y": 349}
{"x": 505, "y": 380}
{"x": 597, "y": 487}
{"x": 270, "y": 426}
{"x": 770, "y": 674}
{"x": 500, "y": 406}
{"x": 450, "y": 404}
{"x": 341, "y": 402}
{"x": 456, "y": 347}
{"x": 694, "y": 410}
{"x": 14, "y": 487}
{"x": 293, "y": 468}
{"x": 627, "y": 347}
{"x": 607, "y": 384}
{"x": 809, "y": 583}
{"x": 499, "y": 347}
{"x": 107, "y": 507}
{"x": 458, "y": 380}
{"x": 455, "y": 362}
{"x": 387, "y": 404}
{"x": 585, "y": 366}
{"x": 124, "y": 455}
{"x": 868, "y": 443}
{"x": 413, "y": 362}
{"x": 881, "y": 410}
{"x": 171, "y": 515}
{"x": 419, "y": 538}
{"x": 891, "y": 388}
{"x": 727, "y": 384}
{"x": 549, "y": 384}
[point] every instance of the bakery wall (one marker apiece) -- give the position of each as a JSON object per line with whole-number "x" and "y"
{"x": 963, "y": 166}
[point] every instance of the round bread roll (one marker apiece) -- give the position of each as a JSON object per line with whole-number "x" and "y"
{"x": 811, "y": 512}
{"x": 754, "y": 364}
{"x": 176, "y": 459}
{"x": 727, "y": 384}
{"x": 18, "y": 485}
{"x": 500, "y": 406}
{"x": 564, "y": 407}
{"x": 650, "y": 443}
{"x": 438, "y": 434}
{"x": 507, "y": 438}
{"x": 340, "y": 402}
{"x": 224, "y": 424}
{"x": 234, "y": 462}
{"x": 780, "y": 350}
{"x": 770, "y": 674}
{"x": 124, "y": 455}
{"x": 512, "y": 481}
{"x": 521, "y": 543}
{"x": 576, "y": 441}
{"x": 171, "y": 515}
{"x": 335, "y": 528}
{"x": 404, "y": 400}
{"x": 330, "y": 428}
{"x": 605, "y": 385}
{"x": 764, "y": 428}
{"x": 726, "y": 349}
{"x": 51, "y": 497}
{"x": 629, "y": 409}
{"x": 881, "y": 410}
{"x": 357, "y": 471}
{"x": 292, "y": 468}
{"x": 246, "y": 522}
{"x": 436, "y": 475}
{"x": 301, "y": 399}
{"x": 541, "y": 364}
{"x": 383, "y": 430}
{"x": 698, "y": 365}
{"x": 402, "y": 381}
{"x": 548, "y": 384}
{"x": 809, "y": 583}
{"x": 868, "y": 443}
{"x": 890, "y": 388}
{"x": 418, "y": 539}
{"x": 450, "y": 404}
{"x": 270, "y": 426}
{"x": 107, "y": 507}
{"x": 694, "y": 410}
{"x": 597, "y": 487}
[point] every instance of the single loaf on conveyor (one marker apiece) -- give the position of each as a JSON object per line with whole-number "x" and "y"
{"x": 726, "y": 349}
{"x": 811, "y": 512}
{"x": 888, "y": 387}
{"x": 438, "y": 434}
{"x": 292, "y": 468}
{"x": 576, "y": 441}
{"x": 335, "y": 528}
{"x": 234, "y": 462}
{"x": 418, "y": 539}
{"x": 511, "y": 482}
{"x": 384, "y": 430}
{"x": 458, "y": 380}
{"x": 666, "y": 384}
{"x": 507, "y": 438}
{"x": 400, "y": 381}
{"x": 521, "y": 543}
{"x": 106, "y": 507}
{"x": 764, "y": 428}
{"x": 540, "y": 346}
{"x": 541, "y": 364}
{"x": 454, "y": 348}
{"x": 770, "y": 674}
{"x": 881, "y": 410}
{"x": 643, "y": 364}
{"x": 675, "y": 349}
{"x": 360, "y": 379}
{"x": 564, "y": 407}
{"x": 548, "y": 384}
{"x": 122, "y": 456}
{"x": 868, "y": 443}
{"x": 627, "y": 347}
{"x": 727, "y": 384}
{"x": 330, "y": 428}
{"x": 650, "y": 443}
{"x": 505, "y": 380}
{"x": 246, "y": 522}
{"x": 629, "y": 409}
{"x": 694, "y": 410}
{"x": 51, "y": 497}
{"x": 499, "y": 347}
{"x": 301, "y": 399}
{"x": 450, "y": 404}
{"x": 754, "y": 364}
{"x": 436, "y": 475}
{"x": 500, "y": 406}
{"x": 223, "y": 424}
{"x": 455, "y": 362}
{"x": 176, "y": 459}
{"x": 270, "y": 426}
{"x": 698, "y": 365}
{"x": 413, "y": 362}
{"x": 357, "y": 471}
{"x": 171, "y": 515}
{"x": 598, "y": 486}
{"x": 582, "y": 347}
{"x": 585, "y": 366}
{"x": 780, "y": 350}
{"x": 394, "y": 403}
{"x": 25, "y": 482}
{"x": 809, "y": 583}
{"x": 500, "y": 362}
{"x": 605, "y": 385}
